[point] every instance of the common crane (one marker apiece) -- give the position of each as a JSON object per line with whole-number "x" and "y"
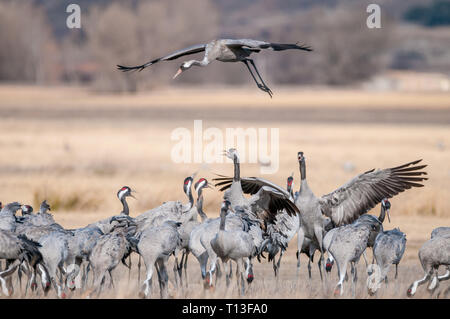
{"x": 388, "y": 250}
{"x": 433, "y": 253}
{"x": 224, "y": 50}
{"x": 353, "y": 199}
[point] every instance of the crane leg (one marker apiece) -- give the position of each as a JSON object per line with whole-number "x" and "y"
{"x": 260, "y": 78}
{"x": 185, "y": 268}
{"x": 147, "y": 286}
{"x": 318, "y": 232}
{"x": 111, "y": 281}
{"x": 139, "y": 269}
{"x": 259, "y": 85}
{"x": 319, "y": 264}
{"x": 342, "y": 272}
{"x": 162, "y": 278}
{"x": 203, "y": 260}
{"x": 274, "y": 266}
{"x": 300, "y": 239}
{"x": 129, "y": 269}
{"x": 365, "y": 258}
{"x": 354, "y": 278}
{"x": 309, "y": 268}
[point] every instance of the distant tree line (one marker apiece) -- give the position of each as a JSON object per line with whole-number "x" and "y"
{"x": 434, "y": 15}
{"x": 131, "y": 32}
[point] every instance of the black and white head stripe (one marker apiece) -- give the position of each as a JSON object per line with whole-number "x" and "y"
{"x": 123, "y": 191}
{"x": 200, "y": 184}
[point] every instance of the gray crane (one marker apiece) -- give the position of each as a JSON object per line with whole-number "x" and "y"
{"x": 172, "y": 210}
{"x": 110, "y": 250}
{"x": 80, "y": 247}
{"x": 346, "y": 246}
{"x": 433, "y": 253}
{"x": 17, "y": 249}
{"x": 364, "y": 220}
{"x": 388, "y": 250}
{"x": 195, "y": 245}
{"x": 235, "y": 244}
{"x": 224, "y": 50}
{"x": 200, "y": 243}
{"x": 267, "y": 199}
{"x": 281, "y": 232}
{"x": 156, "y": 244}
{"x": 55, "y": 250}
{"x": 189, "y": 221}
{"x": 353, "y": 199}
{"x": 55, "y": 242}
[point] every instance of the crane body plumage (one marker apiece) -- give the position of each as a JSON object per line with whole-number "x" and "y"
{"x": 223, "y": 50}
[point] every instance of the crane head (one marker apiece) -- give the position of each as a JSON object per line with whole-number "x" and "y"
{"x": 26, "y": 210}
{"x": 290, "y": 181}
{"x": 202, "y": 183}
{"x": 231, "y": 153}
{"x": 187, "y": 184}
{"x": 183, "y": 67}
{"x": 125, "y": 191}
{"x": 387, "y": 207}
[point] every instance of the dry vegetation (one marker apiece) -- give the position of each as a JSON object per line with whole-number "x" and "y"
{"x": 78, "y": 163}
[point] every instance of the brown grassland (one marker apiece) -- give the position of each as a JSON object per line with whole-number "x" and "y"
{"x": 77, "y": 148}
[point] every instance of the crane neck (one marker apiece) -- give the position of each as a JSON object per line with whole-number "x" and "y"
{"x": 188, "y": 193}
{"x": 200, "y": 211}
{"x": 302, "y": 165}
{"x": 237, "y": 170}
{"x": 223, "y": 216}
{"x": 125, "y": 209}
{"x": 203, "y": 62}
{"x": 382, "y": 214}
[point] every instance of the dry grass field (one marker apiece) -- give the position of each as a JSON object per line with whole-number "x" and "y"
{"x": 77, "y": 148}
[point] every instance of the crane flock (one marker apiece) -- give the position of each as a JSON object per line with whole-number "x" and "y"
{"x": 336, "y": 224}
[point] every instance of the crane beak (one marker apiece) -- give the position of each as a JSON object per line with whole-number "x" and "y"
{"x": 209, "y": 186}
{"x": 178, "y": 73}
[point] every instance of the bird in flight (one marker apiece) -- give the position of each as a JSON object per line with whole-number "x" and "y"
{"x": 224, "y": 50}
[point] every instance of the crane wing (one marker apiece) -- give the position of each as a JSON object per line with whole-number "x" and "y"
{"x": 250, "y": 185}
{"x": 269, "y": 196}
{"x": 172, "y": 56}
{"x": 365, "y": 191}
{"x": 256, "y": 44}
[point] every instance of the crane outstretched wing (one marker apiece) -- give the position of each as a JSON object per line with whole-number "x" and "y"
{"x": 270, "y": 197}
{"x": 256, "y": 44}
{"x": 365, "y": 191}
{"x": 172, "y": 56}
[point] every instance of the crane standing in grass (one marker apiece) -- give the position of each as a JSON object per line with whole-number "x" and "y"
{"x": 434, "y": 253}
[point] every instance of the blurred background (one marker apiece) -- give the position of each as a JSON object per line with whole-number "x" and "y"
{"x": 73, "y": 129}
{"x": 38, "y": 47}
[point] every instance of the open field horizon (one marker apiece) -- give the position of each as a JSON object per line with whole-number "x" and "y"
{"x": 76, "y": 148}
